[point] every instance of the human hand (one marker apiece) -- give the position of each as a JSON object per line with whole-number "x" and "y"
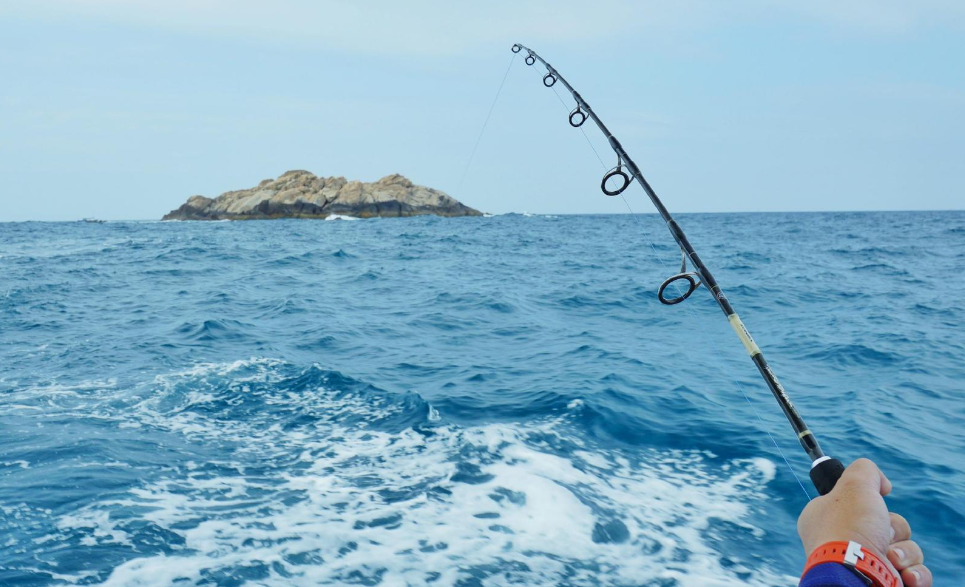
{"x": 855, "y": 510}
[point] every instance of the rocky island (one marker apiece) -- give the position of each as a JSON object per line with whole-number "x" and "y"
{"x": 301, "y": 194}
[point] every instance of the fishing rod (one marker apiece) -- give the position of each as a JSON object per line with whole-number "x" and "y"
{"x": 825, "y": 470}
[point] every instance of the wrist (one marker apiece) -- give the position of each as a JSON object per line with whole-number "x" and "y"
{"x": 871, "y": 566}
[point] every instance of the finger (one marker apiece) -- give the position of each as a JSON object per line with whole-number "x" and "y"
{"x": 900, "y": 528}
{"x": 864, "y": 473}
{"x": 916, "y": 576}
{"x": 885, "y": 483}
{"x": 905, "y": 554}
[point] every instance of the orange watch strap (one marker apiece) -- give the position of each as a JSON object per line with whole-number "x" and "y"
{"x": 854, "y": 556}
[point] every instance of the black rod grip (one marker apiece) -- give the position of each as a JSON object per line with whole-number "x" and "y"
{"x": 825, "y": 474}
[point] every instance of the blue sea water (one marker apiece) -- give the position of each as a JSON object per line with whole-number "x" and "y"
{"x": 468, "y": 401}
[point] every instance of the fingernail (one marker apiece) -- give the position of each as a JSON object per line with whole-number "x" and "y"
{"x": 900, "y": 553}
{"x": 917, "y": 576}
{"x": 892, "y": 533}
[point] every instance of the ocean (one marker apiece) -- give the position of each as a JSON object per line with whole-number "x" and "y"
{"x": 465, "y": 401}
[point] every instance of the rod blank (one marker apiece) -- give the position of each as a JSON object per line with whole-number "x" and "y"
{"x": 826, "y": 475}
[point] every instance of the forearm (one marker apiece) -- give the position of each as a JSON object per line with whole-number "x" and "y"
{"x": 831, "y": 575}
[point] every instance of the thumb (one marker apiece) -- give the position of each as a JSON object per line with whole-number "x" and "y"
{"x": 865, "y": 474}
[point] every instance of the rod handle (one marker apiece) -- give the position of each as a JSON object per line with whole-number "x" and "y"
{"x": 825, "y": 472}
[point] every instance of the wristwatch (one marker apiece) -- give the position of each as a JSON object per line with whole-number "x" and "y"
{"x": 854, "y": 556}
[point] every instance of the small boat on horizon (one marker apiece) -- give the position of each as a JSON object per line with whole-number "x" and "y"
{"x": 94, "y": 220}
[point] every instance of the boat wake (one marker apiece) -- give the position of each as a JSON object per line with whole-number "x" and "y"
{"x": 289, "y": 476}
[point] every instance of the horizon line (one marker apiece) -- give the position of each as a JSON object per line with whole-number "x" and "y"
{"x": 524, "y": 213}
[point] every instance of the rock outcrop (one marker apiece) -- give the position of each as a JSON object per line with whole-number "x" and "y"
{"x": 301, "y": 194}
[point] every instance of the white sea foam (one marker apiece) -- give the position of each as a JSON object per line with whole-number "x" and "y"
{"x": 505, "y": 503}
{"x": 98, "y": 527}
{"x": 340, "y": 217}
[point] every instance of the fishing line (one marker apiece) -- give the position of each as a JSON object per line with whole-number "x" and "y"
{"x": 825, "y": 471}
{"x": 483, "y": 129}
{"x": 693, "y": 313}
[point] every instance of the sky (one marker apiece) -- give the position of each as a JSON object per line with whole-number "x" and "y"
{"x": 122, "y": 109}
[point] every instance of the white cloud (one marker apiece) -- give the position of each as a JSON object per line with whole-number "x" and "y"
{"x": 432, "y": 27}
{"x": 414, "y": 27}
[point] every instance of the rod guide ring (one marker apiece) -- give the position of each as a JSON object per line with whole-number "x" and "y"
{"x": 615, "y": 172}
{"x": 530, "y": 59}
{"x": 692, "y": 284}
{"x": 549, "y": 80}
{"x": 517, "y": 48}
{"x": 577, "y": 117}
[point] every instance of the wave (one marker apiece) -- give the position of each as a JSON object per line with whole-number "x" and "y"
{"x": 853, "y": 354}
{"x": 214, "y": 330}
